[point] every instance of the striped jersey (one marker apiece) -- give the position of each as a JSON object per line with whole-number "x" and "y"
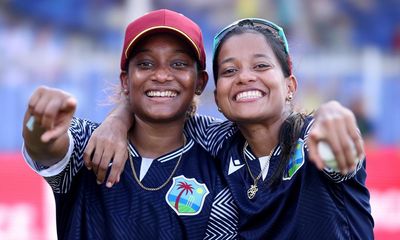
{"x": 307, "y": 204}
{"x": 194, "y": 204}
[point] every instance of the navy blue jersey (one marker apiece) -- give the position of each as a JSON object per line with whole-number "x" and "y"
{"x": 307, "y": 204}
{"x": 195, "y": 204}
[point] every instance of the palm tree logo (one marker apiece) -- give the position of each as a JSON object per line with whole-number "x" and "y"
{"x": 185, "y": 189}
{"x": 186, "y": 196}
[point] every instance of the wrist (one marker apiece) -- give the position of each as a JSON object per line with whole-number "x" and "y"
{"x": 121, "y": 122}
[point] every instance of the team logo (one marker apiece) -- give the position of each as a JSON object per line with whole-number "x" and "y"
{"x": 186, "y": 196}
{"x": 234, "y": 165}
{"x": 295, "y": 161}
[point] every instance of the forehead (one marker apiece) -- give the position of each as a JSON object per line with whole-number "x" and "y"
{"x": 248, "y": 42}
{"x": 163, "y": 40}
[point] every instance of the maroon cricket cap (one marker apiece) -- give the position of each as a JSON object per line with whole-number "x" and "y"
{"x": 164, "y": 20}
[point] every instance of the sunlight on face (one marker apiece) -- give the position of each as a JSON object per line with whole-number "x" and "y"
{"x": 251, "y": 86}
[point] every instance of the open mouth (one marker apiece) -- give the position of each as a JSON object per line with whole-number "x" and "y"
{"x": 166, "y": 93}
{"x": 246, "y": 95}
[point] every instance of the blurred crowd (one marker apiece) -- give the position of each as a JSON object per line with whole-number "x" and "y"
{"x": 348, "y": 50}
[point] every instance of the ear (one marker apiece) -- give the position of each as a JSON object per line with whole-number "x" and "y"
{"x": 291, "y": 84}
{"x": 123, "y": 76}
{"x": 202, "y": 79}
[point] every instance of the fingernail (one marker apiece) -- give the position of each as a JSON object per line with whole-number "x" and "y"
{"x": 30, "y": 123}
{"x": 109, "y": 184}
{"x": 98, "y": 182}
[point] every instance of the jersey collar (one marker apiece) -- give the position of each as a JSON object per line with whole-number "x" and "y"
{"x": 167, "y": 157}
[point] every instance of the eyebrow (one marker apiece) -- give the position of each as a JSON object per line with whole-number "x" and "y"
{"x": 184, "y": 51}
{"x": 227, "y": 60}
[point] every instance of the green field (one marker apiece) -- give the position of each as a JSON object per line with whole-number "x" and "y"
{"x": 183, "y": 208}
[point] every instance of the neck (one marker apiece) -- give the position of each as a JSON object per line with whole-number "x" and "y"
{"x": 153, "y": 140}
{"x": 261, "y": 137}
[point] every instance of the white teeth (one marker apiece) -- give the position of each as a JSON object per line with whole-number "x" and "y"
{"x": 167, "y": 93}
{"x": 248, "y": 95}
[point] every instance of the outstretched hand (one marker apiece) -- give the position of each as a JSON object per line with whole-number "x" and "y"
{"x": 50, "y": 110}
{"x": 337, "y": 126}
{"x": 107, "y": 143}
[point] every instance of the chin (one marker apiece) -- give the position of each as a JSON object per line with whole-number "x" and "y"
{"x": 165, "y": 117}
{"x": 248, "y": 117}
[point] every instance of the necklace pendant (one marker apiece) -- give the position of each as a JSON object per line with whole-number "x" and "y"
{"x": 251, "y": 193}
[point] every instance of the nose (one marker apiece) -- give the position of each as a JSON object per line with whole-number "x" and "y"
{"x": 162, "y": 74}
{"x": 246, "y": 76}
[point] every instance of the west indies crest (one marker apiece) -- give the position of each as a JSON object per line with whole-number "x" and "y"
{"x": 186, "y": 196}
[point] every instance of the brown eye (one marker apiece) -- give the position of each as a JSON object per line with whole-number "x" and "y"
{"x": 228, "y": 71}
{"x": 262, "y": 66}
{"x": 179, "y": 64}
{"x": 144, "y": 65}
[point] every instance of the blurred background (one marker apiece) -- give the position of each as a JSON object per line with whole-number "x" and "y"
{"x": 347, "y": 50}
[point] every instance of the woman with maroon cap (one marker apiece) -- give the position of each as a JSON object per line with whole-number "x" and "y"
{"x": 170, "y": 188}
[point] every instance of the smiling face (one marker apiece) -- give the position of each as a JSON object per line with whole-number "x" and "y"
{"x": 162, "y": 78}
{"x": 251, "y": 87}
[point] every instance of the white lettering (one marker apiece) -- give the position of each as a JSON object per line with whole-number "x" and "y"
{"x": 18, "y": 222}
{"x": 386, "y": 209}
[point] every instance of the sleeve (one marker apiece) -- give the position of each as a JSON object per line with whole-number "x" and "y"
{"x": 209, "y": 132}
{"x": 60, "y": 175}
{"x": 335, "y": 176}
{"x": 224, "y": 217}
{"x": 52, "y": 170}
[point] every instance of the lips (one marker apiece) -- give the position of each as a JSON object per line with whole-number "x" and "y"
{"x": 162, "y": 93}
{"x": 248, "y": 95}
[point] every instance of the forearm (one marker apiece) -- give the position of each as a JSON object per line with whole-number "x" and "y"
{"x": 122, "y": 114}
{"x": 109, "y": 143}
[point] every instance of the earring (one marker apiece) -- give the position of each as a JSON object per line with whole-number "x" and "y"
{"x": 289, "y": 98}
{"x": 198, "y": 92}
{"x": 219, "y": 110}
{"x": 125, "y": 91}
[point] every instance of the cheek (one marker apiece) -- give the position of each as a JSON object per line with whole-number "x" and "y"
{"x": 132, "y": 80}
{"x": 223, "y": 89}
{"x": 191, "y": 80}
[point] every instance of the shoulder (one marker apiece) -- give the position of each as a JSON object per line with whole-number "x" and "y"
{"x": 83, "y": 123}
{"x": 196, "y": 150}
{"x": 82, "y": 128}
{"x": 307, "y": 125}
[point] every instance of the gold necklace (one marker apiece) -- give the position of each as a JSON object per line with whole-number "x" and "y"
{"x": 251, "y": 192}
{"x": 169, "y": 178}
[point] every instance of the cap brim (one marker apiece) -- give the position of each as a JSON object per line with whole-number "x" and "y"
{"x": 161, "y": 29}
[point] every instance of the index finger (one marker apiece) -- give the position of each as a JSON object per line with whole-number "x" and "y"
{"x": 355, "y": 135}
{"x": 88, "y": 152}
{"x": 312, "y": 141}
{"x": 50, "y": 113}
{"x": 117, "y": 168}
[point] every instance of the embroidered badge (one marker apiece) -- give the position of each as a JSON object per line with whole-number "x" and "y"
{"x": 295, "y": 161}
{"x": 186, "y": 196}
